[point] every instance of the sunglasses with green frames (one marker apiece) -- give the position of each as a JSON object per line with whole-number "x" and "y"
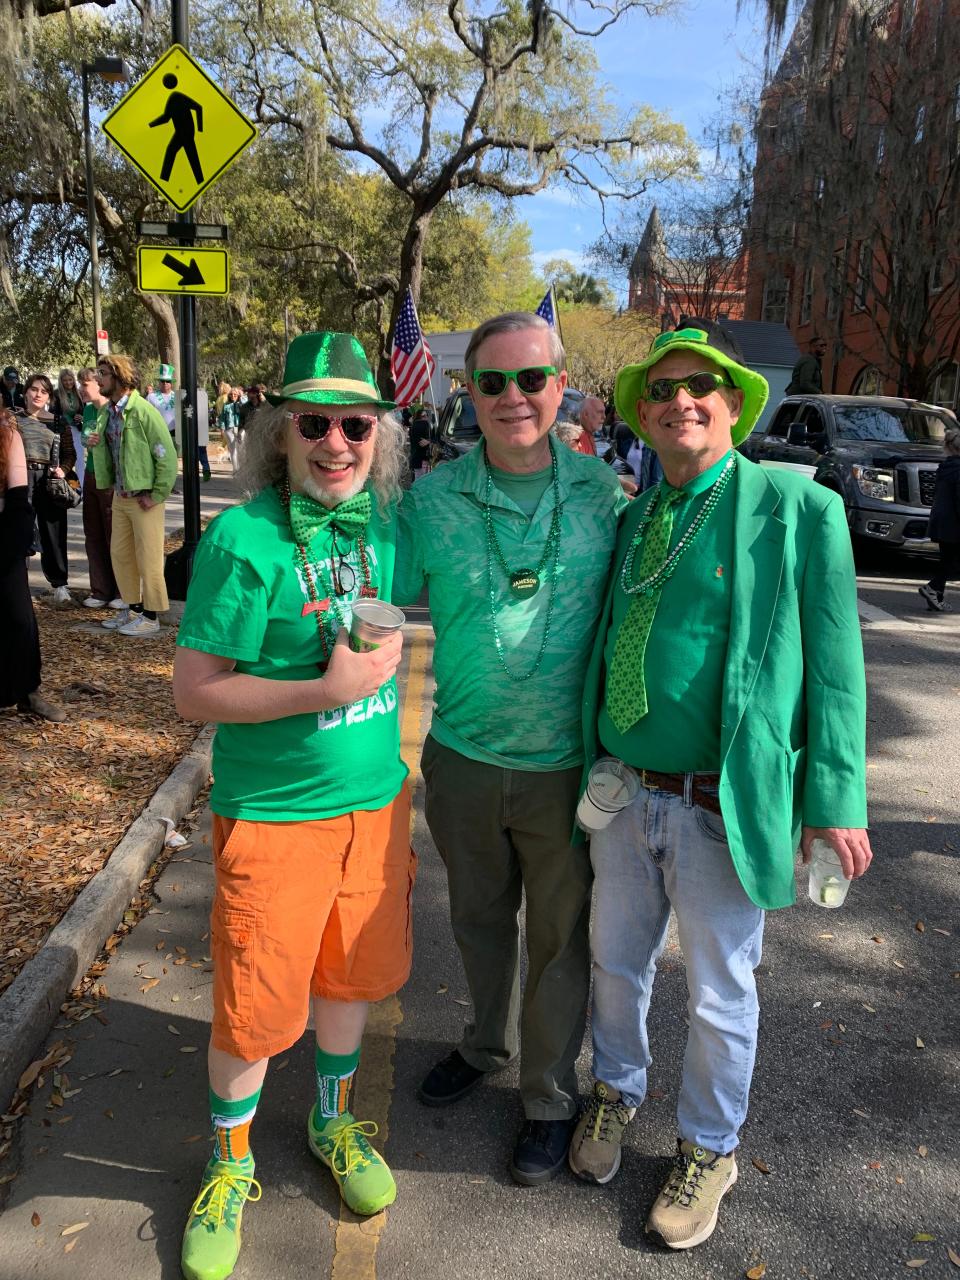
{"x": 531, "y": 380}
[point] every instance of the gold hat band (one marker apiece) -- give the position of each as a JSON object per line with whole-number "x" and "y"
{"x": 331, "y": 384}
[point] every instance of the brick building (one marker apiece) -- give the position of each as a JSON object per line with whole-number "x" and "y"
{"x": 668, "y": 286}
{"x": 855, "y": 219}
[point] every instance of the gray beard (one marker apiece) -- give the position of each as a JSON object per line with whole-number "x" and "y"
{"x": 329, "y": 500}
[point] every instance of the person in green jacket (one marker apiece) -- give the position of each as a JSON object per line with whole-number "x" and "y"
{"x": 728, "y": 672}
{"x": 133, "y": 452}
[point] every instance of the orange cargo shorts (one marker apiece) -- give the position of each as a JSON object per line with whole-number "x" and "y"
{"x": 304, "y": 909}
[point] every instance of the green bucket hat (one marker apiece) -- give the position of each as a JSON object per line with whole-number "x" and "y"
{"x": 713, "y": 341}
{"x": 329, "y": 368}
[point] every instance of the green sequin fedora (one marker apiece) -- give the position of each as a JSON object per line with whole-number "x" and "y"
{"x": 329, "y": 368}
{"x": 712, "y": 341}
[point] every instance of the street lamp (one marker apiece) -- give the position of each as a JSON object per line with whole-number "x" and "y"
{"x": 114, "y": 70}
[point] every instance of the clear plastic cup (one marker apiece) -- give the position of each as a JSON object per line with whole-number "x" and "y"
{"x": 611, "y": 786}
{"x": 828, "y": 885}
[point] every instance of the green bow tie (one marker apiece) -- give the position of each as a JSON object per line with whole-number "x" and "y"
{"x": 308, "y": 518}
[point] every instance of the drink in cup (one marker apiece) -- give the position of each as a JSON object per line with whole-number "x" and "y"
{"x": 611, "y": 786}
{"x": 828, "y": 885}
{"x": 373, "y": 622}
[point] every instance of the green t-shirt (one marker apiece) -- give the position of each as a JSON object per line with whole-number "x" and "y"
{"x": 246, "y": 602}
{"x": 524, "y": 488}
{"x": 479, "y": 711}
{"x": 687, "y": 647}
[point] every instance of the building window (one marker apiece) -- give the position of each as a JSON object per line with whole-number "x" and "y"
{"x": 838, "y": 282}
{"x": 956, "y": 119}
{"x": 935, "y": 280}
{"x": 881, "y": 145}
{"x": 864, "y": 273}
{"x": 806, "y": 298}
{"x": 776, "y": 296}
{"x": 868, "y": 382}
{"x": 918, "y": 123}
{"x": 907, "y": 14}
{"x": 944, "y": 388}
{"x": 819, "y": 187}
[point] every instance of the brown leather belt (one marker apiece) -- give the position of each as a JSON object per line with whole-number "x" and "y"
{"x": 704, "y": 791}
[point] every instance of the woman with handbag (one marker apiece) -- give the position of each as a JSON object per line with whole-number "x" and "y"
{"x": 48, "y": 445}
{"x": 19, "y": 636}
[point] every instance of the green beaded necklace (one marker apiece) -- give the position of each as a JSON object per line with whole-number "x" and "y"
{"x": 523, "y": 583}
{"x": 666, "y": 570}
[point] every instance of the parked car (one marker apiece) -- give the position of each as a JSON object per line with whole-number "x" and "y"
{"x": 880, "y": 453}
{"x": 458, "y": 431}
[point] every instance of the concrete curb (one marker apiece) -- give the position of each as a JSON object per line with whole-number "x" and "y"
{"x": 30, "y": 1005}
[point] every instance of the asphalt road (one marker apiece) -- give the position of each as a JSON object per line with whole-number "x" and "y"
{"x": 855, "y": 1107}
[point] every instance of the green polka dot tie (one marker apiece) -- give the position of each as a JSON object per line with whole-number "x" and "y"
{"x": 626, "y": 690}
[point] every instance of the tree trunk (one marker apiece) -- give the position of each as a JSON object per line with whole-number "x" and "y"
{"x": 168, "y": 338}
{"x": 411, "y": 273}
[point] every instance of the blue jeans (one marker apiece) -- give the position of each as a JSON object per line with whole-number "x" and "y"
{"x": 659, "y": 853}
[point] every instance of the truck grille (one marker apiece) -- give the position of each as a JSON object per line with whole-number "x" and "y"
{"x": 928, "y": 478}
{"x": 915, "y": 483}
{"x": 903, "y": 486}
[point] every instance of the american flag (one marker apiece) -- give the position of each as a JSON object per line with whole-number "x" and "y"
{"x": 545, "y": 309}
{"x": 411, "y": 363}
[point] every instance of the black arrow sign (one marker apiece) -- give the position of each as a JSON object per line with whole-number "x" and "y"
{"x": 191, "y": 275}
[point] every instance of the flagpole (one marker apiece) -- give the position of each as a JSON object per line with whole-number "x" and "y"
{"x": 556, "y": 312}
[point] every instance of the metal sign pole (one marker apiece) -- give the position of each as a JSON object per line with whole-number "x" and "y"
{"x": 188, "y": 365}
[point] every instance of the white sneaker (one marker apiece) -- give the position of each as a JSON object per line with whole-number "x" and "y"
{"x": 119, "y": 619}
{"x": 116, "y": 603}
{"x": 94, "y": 602}
{"x": 140, "y": 626}
{"x": 61, "y": 595}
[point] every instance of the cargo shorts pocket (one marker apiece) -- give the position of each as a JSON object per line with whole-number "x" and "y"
{"x": 234, "y": 932}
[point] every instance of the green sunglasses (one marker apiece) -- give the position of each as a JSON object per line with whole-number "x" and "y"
{"x": 493, "y": 382}
{"x": 699, "y": 385}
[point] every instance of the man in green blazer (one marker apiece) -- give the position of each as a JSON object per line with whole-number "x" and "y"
{"x": 728, "y": 672}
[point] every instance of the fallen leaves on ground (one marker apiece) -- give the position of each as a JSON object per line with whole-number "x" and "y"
{"x": 69, "y": 791}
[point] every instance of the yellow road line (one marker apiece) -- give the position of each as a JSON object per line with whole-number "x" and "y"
{"x": 357, "y": 1240}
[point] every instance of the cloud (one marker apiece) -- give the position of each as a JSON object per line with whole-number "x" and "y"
{"x": 574, "y": 256}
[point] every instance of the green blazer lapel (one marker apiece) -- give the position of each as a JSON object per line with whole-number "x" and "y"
{"x": 759, "y": 538}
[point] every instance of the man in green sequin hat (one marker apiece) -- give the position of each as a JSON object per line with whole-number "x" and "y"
{"x": 311, "y": 834}
{"x": 514, "y": 540}
{"x": 728, "y": 672}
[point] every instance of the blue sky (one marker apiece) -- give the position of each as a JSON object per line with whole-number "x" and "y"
{"x": 678, "y": 64}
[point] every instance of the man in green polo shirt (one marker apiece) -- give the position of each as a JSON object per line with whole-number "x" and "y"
{"x": 728, "y": 672}
{"x": 311, "y": 839}
{"x": 514, "y": 541}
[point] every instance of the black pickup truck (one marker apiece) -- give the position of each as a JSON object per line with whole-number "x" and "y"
{"x": 880, "y": 453}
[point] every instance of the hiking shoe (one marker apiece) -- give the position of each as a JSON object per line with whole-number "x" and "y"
{"x": 211, "y": 1240}
{"x": 451, "y": 1079}
{"x": 595, "y": 1146}
{"x": 139, "y": 625}
{"x": 934, "y": 602}
{"x": 686, "y": 1210}
{"x": 363, "y": 1176}
{"x": 541, "y": 1150}
{"x": 61, "y": 595}
{"x": 119, "y": 619}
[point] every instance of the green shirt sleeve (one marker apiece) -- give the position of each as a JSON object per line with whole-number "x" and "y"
{"x": 226, "y": 609}
{"x": 408, "y": 577}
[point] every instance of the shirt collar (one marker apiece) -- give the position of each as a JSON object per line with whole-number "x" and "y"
{"x": 701, "y": 483}
{"x": 472, "y": 474}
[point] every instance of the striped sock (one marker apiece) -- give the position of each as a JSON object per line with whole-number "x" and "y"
{"x": 231, "y": 1125}
{"x": 334, "y": 1077}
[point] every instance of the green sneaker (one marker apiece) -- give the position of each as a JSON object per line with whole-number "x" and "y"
{"x": 365, "y": 1181}
{"x": 211, "y": 1241}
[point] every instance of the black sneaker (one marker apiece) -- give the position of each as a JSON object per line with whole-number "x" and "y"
{"x": 934, "y": 602}
{"x": 541, "y": 1150}
{"x": 451, "y": 1079}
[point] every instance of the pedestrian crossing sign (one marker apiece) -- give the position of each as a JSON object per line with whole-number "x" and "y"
{"x": 179, "y": 128}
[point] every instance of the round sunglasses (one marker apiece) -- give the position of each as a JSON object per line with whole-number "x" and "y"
{"x": 312, "y": 427}
{"x": 699, "y": 385}
{"x": 493, "y": 382}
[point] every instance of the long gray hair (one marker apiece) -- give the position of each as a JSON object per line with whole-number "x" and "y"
{"x": 263, "y": 463}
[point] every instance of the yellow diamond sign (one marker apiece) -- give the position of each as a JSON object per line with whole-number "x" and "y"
{"x": 179, "y": 128}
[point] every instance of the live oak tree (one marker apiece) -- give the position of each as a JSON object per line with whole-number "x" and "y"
{"x": 443, "y": 100}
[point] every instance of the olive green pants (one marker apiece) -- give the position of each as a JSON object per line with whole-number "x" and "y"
{"x": 503, "y": 833}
